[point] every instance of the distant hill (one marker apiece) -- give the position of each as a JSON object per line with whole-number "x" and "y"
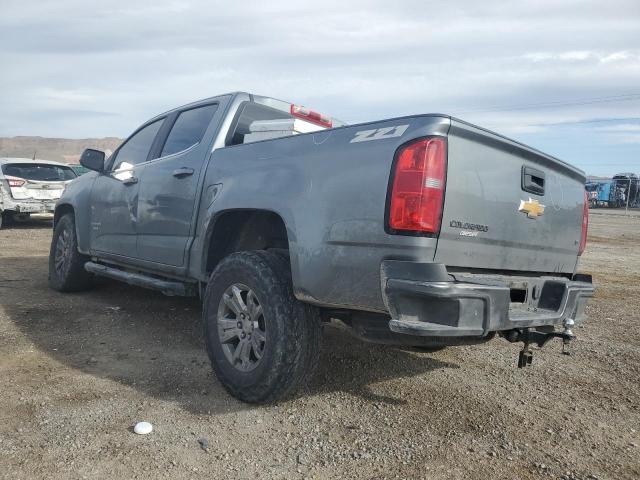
{"x": 65, "y": 150}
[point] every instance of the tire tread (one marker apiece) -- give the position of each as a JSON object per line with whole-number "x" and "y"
{"x": 303, "y": 333}
{"x": 77, "y": 278}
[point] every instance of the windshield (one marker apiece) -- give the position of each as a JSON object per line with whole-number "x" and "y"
{"x": 39, "y": 171}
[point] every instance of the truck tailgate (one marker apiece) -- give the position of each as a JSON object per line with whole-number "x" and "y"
{"x": 507, "y": 206}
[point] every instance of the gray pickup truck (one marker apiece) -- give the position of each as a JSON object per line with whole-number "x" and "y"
{"x": 422, "y": 231}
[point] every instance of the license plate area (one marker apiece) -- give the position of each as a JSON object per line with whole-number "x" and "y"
{"x": 41, "y": 194}
{"x": 43, "y": 207}
{"x": 552, "y": 295}
{"x": 518, "y": 292}
{"x": 542, "y": 294}
{"x": 526, "y": 294}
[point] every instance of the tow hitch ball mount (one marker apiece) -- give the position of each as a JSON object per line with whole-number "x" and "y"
{"x": 540, "y": 338}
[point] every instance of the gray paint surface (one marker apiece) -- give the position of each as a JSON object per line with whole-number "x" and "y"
{"x": 484, "y": 187}
{"x": 331, "y": 193}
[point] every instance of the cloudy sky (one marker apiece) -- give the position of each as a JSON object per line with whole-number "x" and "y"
{"x": 562, "y": 76}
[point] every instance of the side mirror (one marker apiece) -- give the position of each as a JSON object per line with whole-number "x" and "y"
{"x": 93, "y": 159}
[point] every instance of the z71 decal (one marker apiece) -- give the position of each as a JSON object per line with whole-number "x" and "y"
{"x": 379, "y": 133}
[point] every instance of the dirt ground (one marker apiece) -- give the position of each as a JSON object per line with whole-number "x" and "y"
{"x": 78, "y": 370}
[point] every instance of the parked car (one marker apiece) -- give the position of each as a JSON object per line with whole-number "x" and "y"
{"x": 423, "y": 231}
{"x": 31, "y": 186}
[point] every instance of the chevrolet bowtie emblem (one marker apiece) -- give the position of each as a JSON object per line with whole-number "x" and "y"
{"x": 533, "y": 208}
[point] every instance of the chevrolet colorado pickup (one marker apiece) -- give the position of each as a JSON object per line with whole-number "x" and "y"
{"x": 422, "y": 231}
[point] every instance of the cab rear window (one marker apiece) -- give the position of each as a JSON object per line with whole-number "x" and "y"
{"x": 39, "y": 172}
{"x": 252, "y": 112}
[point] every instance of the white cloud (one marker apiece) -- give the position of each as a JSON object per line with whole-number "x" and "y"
{"x": 622, "y": 128}
{"x": 619, "y": 57}
{"x": 625, "y": 133}
{"x": 75, "y": 68}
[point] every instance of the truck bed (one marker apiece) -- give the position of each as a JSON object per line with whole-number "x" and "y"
{"x": 331, "y": 190}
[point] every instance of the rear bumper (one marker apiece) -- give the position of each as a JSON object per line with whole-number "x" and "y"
{"x": 426, "y": 300}
{"x": 28, "y": 205}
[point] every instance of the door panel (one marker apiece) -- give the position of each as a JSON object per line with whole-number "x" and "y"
{"x": 166, "y": 207}
{"x": 114, "y": 196}
{"x": 114, "y": 212}
{"x": 169, "y": 187}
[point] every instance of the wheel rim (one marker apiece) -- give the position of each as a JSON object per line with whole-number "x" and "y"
{"x": 63, "y": 252}
{"x": 241, "y": 327}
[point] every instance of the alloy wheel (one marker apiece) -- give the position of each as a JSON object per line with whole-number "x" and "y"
{"x": 241, "y": 327}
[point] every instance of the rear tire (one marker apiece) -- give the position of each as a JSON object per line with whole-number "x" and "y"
{"x": 263, "y": 343}
{"x": 66, "y": 263}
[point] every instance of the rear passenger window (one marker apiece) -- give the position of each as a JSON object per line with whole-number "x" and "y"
{"x": 136, "y": 149}
{"x": 188, "y": 129}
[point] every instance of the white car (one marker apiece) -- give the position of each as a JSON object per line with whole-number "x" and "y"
{"x": 31, "y": 186}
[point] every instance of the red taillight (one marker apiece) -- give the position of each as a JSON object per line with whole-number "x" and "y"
{"x": 585, "y": 225}
{"x": 15, "y": 181}
{"x": 311, "y": 116}
{"x": 417, "y": 192}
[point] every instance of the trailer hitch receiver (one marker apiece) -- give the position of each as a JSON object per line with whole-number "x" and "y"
{"x": 530, "y": 336}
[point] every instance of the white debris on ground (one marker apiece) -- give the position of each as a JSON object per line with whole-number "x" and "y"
{"x": 143, "y": 428}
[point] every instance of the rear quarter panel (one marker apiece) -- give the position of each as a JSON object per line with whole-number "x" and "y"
{"x": 331, "y": 193}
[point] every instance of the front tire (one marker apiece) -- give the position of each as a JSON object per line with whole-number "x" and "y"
{"x": 66, "y": 263}
{"x": 263, "y": 343}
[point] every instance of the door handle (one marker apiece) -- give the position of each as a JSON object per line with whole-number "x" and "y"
{"x": 130, "y": 181}
{"x": 182, "y": 172}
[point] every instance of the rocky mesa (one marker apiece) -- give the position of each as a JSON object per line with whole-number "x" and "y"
{"x": 65, "y": 150}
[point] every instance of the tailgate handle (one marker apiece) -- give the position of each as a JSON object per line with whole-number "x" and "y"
{"x": 532, "y": 180}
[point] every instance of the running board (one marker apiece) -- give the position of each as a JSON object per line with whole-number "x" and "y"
{"x": 168, "y": 287}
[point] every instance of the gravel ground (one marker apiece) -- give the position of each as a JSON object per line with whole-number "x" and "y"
{"x": 78, "y": 370}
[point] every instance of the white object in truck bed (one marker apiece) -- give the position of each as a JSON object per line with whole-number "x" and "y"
{"x": 284, "y": 124}
{"x": 268, "y": 129}
{"x": 257, "y": 136}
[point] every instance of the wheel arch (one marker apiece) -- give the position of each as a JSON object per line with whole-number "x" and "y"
{"x": 82, "y": 227}
{"x": 61, "y": 210}
{"x": 243, "y": 229}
